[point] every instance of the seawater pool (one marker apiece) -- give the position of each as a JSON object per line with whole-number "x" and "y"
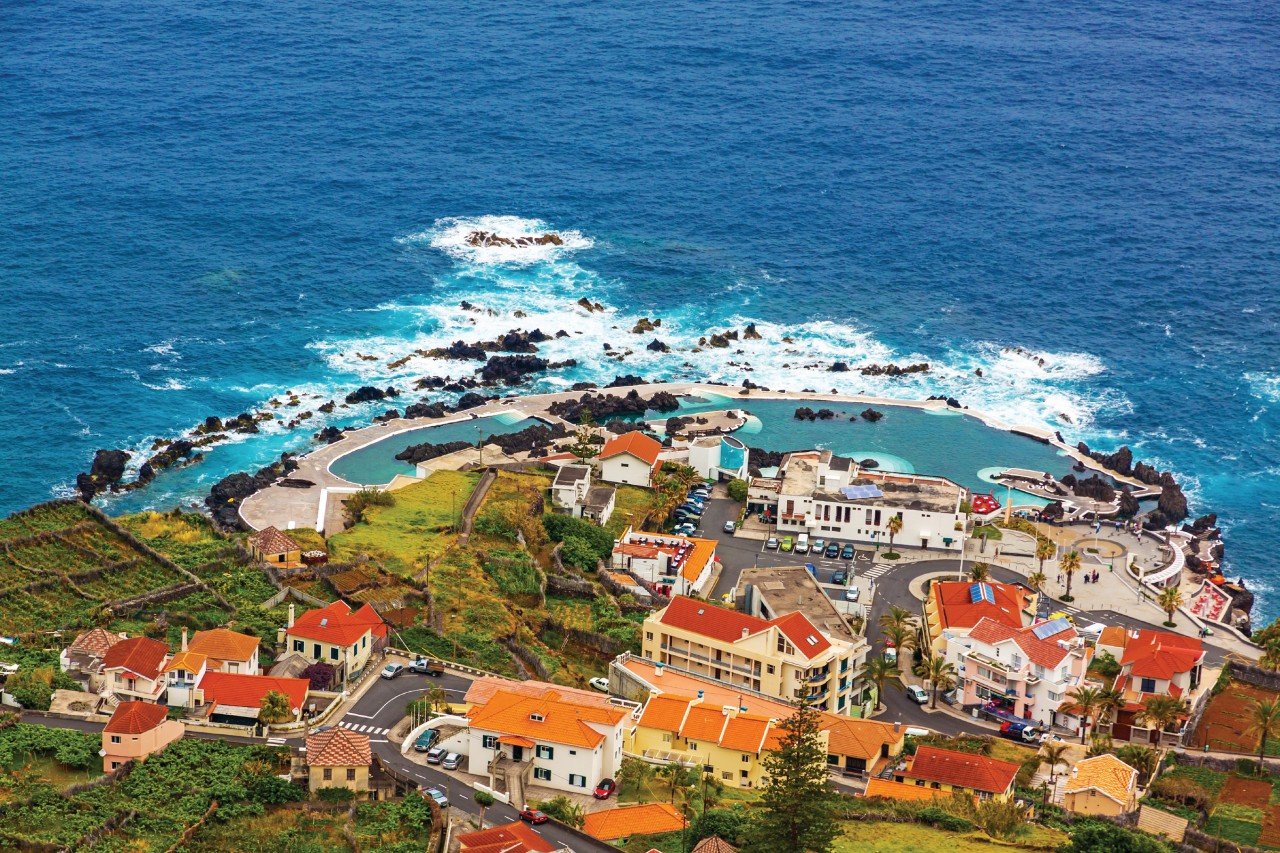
{"x": 946, "y": 443}
{"x": 376, "y": 464}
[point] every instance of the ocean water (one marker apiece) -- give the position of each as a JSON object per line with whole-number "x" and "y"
{"x": 204, "y": 206}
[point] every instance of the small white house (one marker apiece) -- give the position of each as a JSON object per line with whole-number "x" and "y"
{"x": 569, "y": 489}
{"x": 631, "y": 459}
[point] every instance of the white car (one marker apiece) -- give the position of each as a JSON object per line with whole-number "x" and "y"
{"x": 392, "y": 670}
{"x": 600, "y": 683}
{"x": 771, "y": 543}
{"x": 851, "y": 594}
{"x": 918, "y": 694}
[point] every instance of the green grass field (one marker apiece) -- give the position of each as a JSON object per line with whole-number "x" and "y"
{"x": 418, "y": 528}
{"x": 880, "y": 837}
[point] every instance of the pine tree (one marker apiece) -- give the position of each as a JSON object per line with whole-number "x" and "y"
{"x": 798, "y": 806}
{"x": 582, "y": 446}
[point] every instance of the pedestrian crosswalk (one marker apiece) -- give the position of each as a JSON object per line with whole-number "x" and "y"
{"x": 275, "y": 741}
{"x": 363, "y": 729}
{"x": 878, "y": 571}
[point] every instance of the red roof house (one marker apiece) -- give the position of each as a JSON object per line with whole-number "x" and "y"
{"x": 630, "y": 458}
{"x": 232, "y": 695}
{"x": 338, "y": 624}
{"x": 513, "y": 837}
{"x": 729, "y": 626}
{"x": 959, "y": 771}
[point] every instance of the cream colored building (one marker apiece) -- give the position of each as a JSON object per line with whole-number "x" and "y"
{"x": 338, "y": 758}
{"x": 136, "y": 730}
{"x": 787, "y": 657}
{"x": 337, "y": 635}
{"x": 1102, "y": 785}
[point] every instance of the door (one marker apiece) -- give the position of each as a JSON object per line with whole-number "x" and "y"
{"x": 517, "y": 753}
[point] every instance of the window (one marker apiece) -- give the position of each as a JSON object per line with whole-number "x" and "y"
{"x": 298, "y": 646}
{"x": 648, "y": 635}
{"x": 537, "y": 718}
{"x": 316, "y": 651}
{"x": 489, "y": 741}
{"x": 115, "y": 764}
{"x": 769, "y": 669}
{"x": 232, "y": 666}
{"x": 328, "y": 773}
{"x": 364, "y": 641}
{"x": 745, "y": 758}
{"x": 355, "y": 649}
{"x": 351, "y": 774}
{"x": 935, "y": 785}
{"x": 1148, "y": 685}
{"x": 543, "y": 773}
{"x": 115, "y": 738}
{"x": 726, "y": 775}
{"x": 545, "y": 752}
{"x": 333, "y": 653}
{"x": 869, "y": 517}
{"x": 573, "y": 752}
{"x": 693, "y": 747}
{"x": 575, "y": 780}
{"x": 744, "y": 774}
{"x": 666, "y": 737}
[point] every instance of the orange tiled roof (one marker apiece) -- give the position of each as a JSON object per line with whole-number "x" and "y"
{"x": 140, "y": 655}
{"x": 957, "y": 609}
{"x": 509, "y": 838}
{"x": 625, "y": 821}
{"x": 703, "y": 723}
{"x": 857, "y": 737}
{"x": 703, "y": 551}
{"x": 338, "y": 747}
{"x": 745, "y": 733}
{"x": 1108, "y": 774}
{"x": 338, "y": 624}
{"x": 962, "y": 769}
{"x": 224, "y": 644}
{"x": 188, "y": 660}
{"x": 549, "y": 718}
{"x": 636, "y": 443}
{"x": 269, "y": 540}
{"x": 134, "y": 718}
{"x": 714, "y": 844}
{"x": 665, "y": 712}
{"x": 644, "y": 552}
{"x": 1043, "y": 652}
{"x": 728, "y": 626}
{"x": 95, "y": 641}
{"x": 247, "y": 691}
{"x": 1161, "y": 654}
{"x": 887, "y": 788}
{"x": 1113, "y": 635}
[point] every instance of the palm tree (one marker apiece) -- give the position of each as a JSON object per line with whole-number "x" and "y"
{"x": 1070, "y": 565}
{"x": 1110, "y": 700}
{"x": 939, "y": 672}
{"x": 1054, "y": 754}
{"x": 274, "y": 708}
{"x": 980, "y": 573}
{"x": 895, "y": 527}
{"x": 1270, "y": 656}
{"x": 483, "y": 799}
{"x": 878, "y": 670}
{"x": 903, "y": 637}
{"x": 1160, "y": 712}
{"x": 1087, "y": 698}
{"x": 1037, "y": 580}
{"x": 1170, "y": 599}
{"x": 1264, "y": 721}
{"x": 1140, "y": 758}
{"x": 1045, "y": 549}
{"x": 436, "y": 697}
{"x": 896, "y": 616}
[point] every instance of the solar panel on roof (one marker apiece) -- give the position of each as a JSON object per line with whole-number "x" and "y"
{"x": 1048, "y": 629}
{"x": 981, "y": 592}
{"x": 855, "y": 493}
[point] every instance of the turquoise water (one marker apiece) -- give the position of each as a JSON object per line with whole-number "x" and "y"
{"x": 376, "y": 464}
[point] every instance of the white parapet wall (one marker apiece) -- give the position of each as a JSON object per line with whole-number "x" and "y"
{"x": 438, "y": 722}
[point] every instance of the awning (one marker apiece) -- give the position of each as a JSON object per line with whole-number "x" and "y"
{"x": 516, "y": 740}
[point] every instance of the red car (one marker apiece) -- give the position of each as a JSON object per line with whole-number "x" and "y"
{"x": 533, "y": 816}
{"x": 605, "y": 789}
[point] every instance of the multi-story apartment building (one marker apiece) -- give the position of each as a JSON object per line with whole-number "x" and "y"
{"x": 953, "y": 608}
{"x": 787, "y": 656}
{"x": 1023, "y": 673}
{"x": 831, "y": 497}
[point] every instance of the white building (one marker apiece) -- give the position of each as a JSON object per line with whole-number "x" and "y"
{"x": 676, "y": 565}
{"x": 718, "y": 457}
{"x": 573, "y": 494}
{"x": 564, "y": 739}
{"x": 631, "y": 459}
{"x": 831, "y": 497}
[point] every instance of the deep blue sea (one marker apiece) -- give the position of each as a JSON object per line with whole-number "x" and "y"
{"x": 204, "y": 205}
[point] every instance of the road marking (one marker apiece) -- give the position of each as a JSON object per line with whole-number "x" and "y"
{"x": 275, "y": 741}
{"x": 376, "y": 740}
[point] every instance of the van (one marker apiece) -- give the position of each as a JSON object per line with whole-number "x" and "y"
{"x": 802, "y": 543}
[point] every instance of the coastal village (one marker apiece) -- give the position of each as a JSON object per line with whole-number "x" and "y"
{"x": 624, "y": 627}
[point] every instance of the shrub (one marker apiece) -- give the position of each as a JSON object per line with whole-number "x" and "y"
{"x": 943, "y": 819}
{"x": 579, "y": 553}
{"x": 561, "y": 527}
{"x": 737, "y": 490}
{"x": 335, "y": 795}
{"x": 562, "y": 809}
{"x": 1098, "y": 837}
{"x": 360, "y": 501}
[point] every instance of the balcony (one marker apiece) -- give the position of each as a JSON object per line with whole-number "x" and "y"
{"x": 722, "y": 664}
{"x": 819, "y": 678}
{"x": 817, "y": 696}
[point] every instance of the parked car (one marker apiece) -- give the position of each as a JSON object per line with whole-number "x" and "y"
{"x": 436, "y": 754}
{"x": 951, "y": 697}
{"x": 392, "y": 670}
{"x": 817, "y": 546}
{"x": 787, "y": 544}
{"x": 771, "y": 544}
{"x": 425, "y": 740}
{"x": 600, "y": 683}
{"x": 801, "y": 547}
{"x": 840, "y": 576}
{"x": 1020, "y": 731}
{"x": 436, "y": 794}
{"x": 846, "y": 553}
{"x": 851, "y": 593}
{"x": 427, "y": 667}
{"x": 833, "y": 551}
{"x": 533, "y": 816}
{"x": 451, "y": 761}
{"x": 605, "y": 789}
{"x": 918, "y": 694}
{"x": 729, "y": 527}
{"x": 685, "y": 529}
{"x": 691, "y": 509}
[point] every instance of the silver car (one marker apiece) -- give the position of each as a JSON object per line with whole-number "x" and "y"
{"x": 451, "y": 761}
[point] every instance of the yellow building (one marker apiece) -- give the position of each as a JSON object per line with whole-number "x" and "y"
{"x": 949, "y": 771}
{"x": 1102, "y": 785}
{"x": 337, "y": 635}
{"x": 339, "y": 758}
{"x": 787, "y": 657}
{"x": 730, "y": 739}
{"x": 271, "y": 546}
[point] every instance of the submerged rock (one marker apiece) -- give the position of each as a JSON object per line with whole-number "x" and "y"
{"x": 488, "y": 239}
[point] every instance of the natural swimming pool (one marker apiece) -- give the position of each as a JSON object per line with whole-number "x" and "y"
{"x": 947, "y": 443}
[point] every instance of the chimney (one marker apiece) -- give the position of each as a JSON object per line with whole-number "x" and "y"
{"x": 745, "y": 633}
{"x": 184, "y": 638}
{"x": 897, "y": 728}
{"x": 657, "y": 671}
{"x": 290, "y": 623}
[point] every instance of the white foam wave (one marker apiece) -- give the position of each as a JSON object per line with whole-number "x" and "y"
{"x": 170, "y": 384}
{"x": 450, "y": 236}
{"x": 1264, "y": 386}
{"x": 6, "y": 371}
